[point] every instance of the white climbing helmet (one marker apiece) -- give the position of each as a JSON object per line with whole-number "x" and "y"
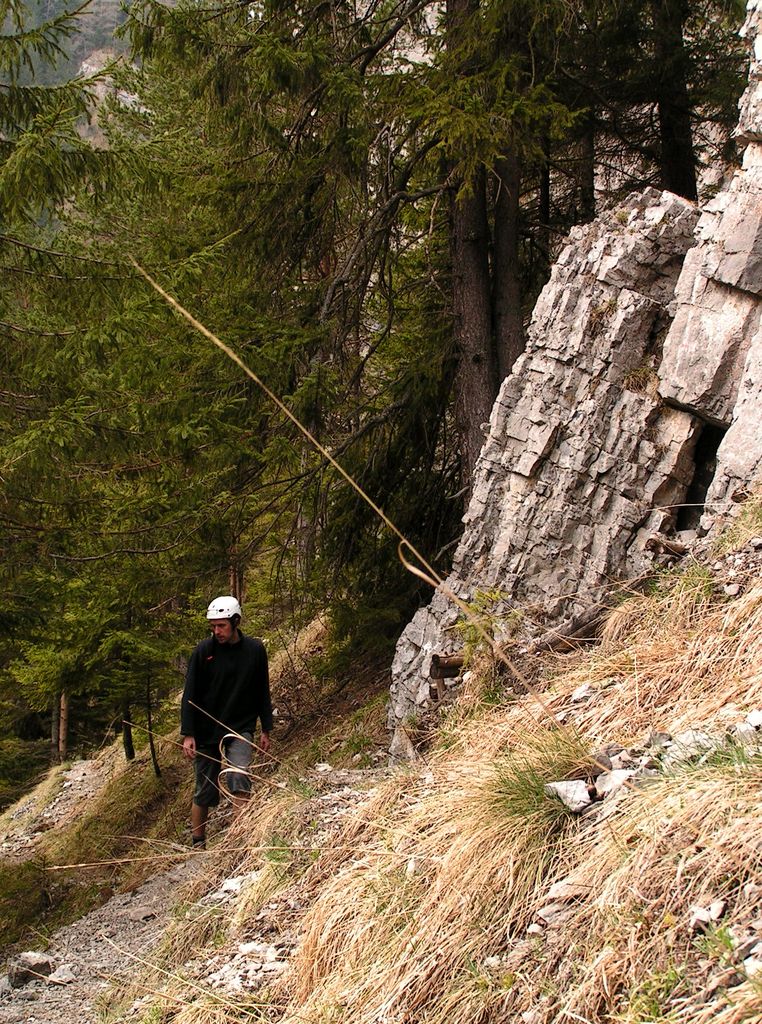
{"x": 223, "y": 608}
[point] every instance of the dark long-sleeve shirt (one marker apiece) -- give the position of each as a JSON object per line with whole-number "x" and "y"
{"x": 227, "y": 688}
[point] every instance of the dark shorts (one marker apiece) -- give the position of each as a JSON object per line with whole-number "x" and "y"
{"x": 231, "y": 775}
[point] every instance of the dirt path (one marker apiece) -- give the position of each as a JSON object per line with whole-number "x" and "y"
{"x": 95, "y": 957}
{"x": 22, "y": 826}
{"x": 97, "y": 953}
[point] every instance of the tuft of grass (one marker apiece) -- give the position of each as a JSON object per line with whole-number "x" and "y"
{"x": 747, "y": 525}
{"x": 675, "y": 598}
{"x": 652, "y": 998}
{"x": 522, "y": 774}
{"x": 661, "y": 654}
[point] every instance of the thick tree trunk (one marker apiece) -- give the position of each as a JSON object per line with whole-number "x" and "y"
{"x": 476, "y": 373}
{"x": 235, "y": 577}
{"x": 506, "y": 284}
{"x": 475, "y": 380}
{"x": 678, "y": 163}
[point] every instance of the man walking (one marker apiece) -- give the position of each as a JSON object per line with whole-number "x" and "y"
{"x": 227, "y": 688}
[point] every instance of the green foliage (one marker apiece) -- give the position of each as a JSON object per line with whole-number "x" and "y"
{"x": 42, "y": 155}
{"x": 21, "y": 761}
{"x": 649, "y": 1002}
{"x": 25, "y": 896}
{"x": 518, "y": 790}
{"x": 488, "y": 620}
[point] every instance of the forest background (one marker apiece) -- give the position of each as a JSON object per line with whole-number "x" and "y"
{"x": 363, "y": 200}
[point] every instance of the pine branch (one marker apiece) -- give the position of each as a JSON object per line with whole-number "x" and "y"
{"x": 45, "y": 42}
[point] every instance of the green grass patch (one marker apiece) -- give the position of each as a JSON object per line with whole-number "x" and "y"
{"x": 25, "y": 897}
{"x": 105, "y": 848}
{"x": 21, "y": 764}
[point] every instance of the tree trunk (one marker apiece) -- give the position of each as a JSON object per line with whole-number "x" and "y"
{"x": 235, "y": 577}
{"x": 475, "y": 380}
{"x": 129, "y": 746}
{"x": 149, "y": 723}
{"x": 63, "y": 726}
{"x": 587, "y": 173}
{"x": 55, "y": 728}
{"x": 506, "y": 284}
{"x": 678, "y": 164}
{"x": 476, "y": 373}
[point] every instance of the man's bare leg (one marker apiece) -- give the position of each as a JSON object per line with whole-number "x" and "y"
{"x": 199, "y": 817}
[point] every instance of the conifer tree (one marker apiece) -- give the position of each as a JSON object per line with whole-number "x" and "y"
{"x": 363, "y": 200}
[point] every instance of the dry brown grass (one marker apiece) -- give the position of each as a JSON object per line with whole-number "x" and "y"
{"x": 423, "y": 908}
{"x": 674, "y": 665}
{"x": 429, "y": 922}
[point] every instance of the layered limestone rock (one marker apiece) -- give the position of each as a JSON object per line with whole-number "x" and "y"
{"x": 639, "y": 389}
{"x": 582, "y": 459}
{"x": 713, "y": 353}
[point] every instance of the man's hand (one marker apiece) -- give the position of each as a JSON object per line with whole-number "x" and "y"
{"x": 189, "y": 747}
{"x": 264, "y": 741}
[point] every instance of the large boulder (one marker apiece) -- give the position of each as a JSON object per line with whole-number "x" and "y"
{"x": 582, "y": 454}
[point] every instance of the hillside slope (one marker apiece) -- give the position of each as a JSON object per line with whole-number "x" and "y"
{"x": 461, "y": 888}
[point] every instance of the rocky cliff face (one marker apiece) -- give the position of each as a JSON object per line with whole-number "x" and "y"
{"x": 631, "y": 418}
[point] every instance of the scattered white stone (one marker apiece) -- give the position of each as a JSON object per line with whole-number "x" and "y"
{"x": 259, "y": 948}
{"x": 732, "y": 589}
{"x": 554, "y": 914}
{"x": 753, "y": 966}
{"x": 273, "y": 967}
{"x": 567, "y": 889}
{"x": 754, "y": 719}
{"x": 401, "y": 747}
{"x": 622, "y": 760}
{"x": 29, "y": 966}
{"x": 212, "y": 897}
{"x": 689, "y": 744}
{"x": 141, "y": 914}
{"x": 323, "y": 767}
{"x": 717, "y": 909}
{"x": 746, "y": 733}
{"x": 701, "y": 917}
{"x": 572, "y": 794}
{"x": 583, "y": 692}
{"x": 63, "y": 975}
{"x": 610, "y": 782}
